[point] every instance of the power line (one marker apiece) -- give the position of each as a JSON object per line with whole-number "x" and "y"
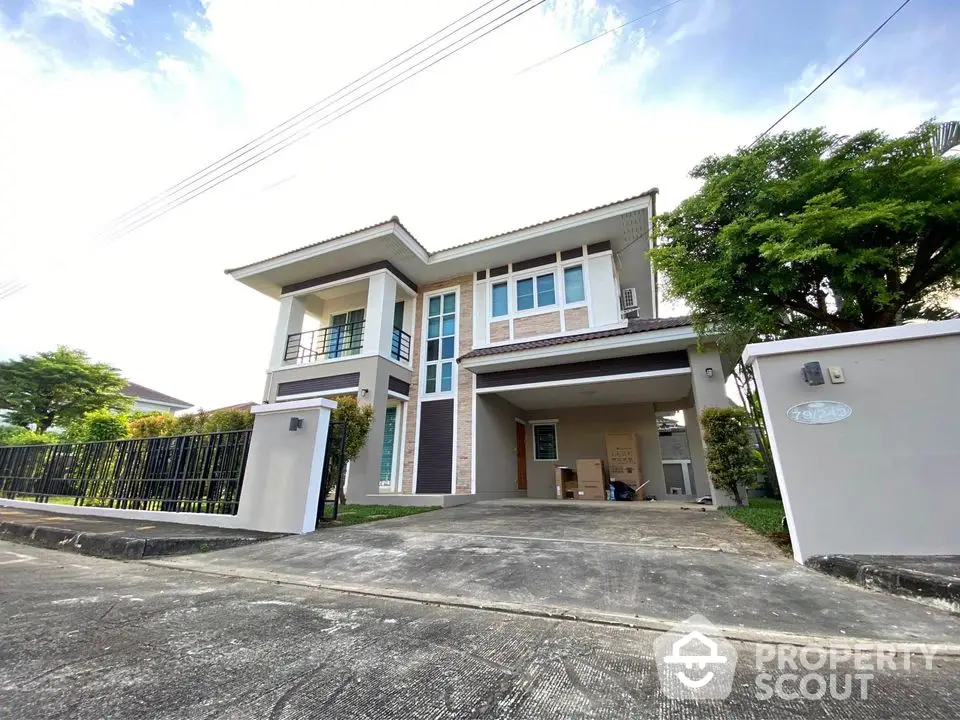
{"x": 129, "y": 221}
{"x": 597, "y": 37}
{"x": 307, "y": 112}
{"x": 187, "y": 193}
{"x": 832, "y": 72}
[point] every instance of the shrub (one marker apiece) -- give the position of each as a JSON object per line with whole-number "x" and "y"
{"x": 98, "y": 426}
{"x": 156, "y": 424}
{"x": 358, "y": 419}
{"x": 228, "y": 419}
{"x": 13, "y": 435}
{"x": 190, "y": 424}
{"x": 731, "y": 459}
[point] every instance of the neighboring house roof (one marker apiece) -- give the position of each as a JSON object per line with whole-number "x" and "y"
{"x": 152, "y": 396}
{"x": 633, "y": 326}
{"x": 652, "y": 192}
{"x": 238, "y": 406}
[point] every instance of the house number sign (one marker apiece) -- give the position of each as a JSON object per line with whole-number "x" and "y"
{"x": 819, "y": 412}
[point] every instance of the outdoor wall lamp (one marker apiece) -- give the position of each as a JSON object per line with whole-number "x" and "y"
{"x": 364, "y": 392}
{"x": 295, "y": 424}
{"x": 709, "y": 372}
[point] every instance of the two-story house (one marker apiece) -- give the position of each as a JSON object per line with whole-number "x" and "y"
{"x": 492, "y": 362}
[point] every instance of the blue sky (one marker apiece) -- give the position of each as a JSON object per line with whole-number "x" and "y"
{"x": 107, "y": 102}
{"x": 741, "y": 52}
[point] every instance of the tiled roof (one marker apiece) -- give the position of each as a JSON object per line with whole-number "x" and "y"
{"x": 651, "y": 191}
{"x": 395, "y": 219}
{"x": 633, "y": 326}
{"x": 144, "y": 393}
{"x": 238, "y": 406}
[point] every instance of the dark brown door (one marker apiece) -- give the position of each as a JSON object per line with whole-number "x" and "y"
{"x": 521, "y": 456}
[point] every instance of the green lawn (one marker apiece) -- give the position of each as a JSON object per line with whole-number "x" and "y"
{"x": 355, "y": 514}
{"x": 765, "y": 515}
{"x": 51, "y": 499}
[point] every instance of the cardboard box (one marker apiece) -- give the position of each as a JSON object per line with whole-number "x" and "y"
{"x": 566, "y": 482}
{"x": 623, "y": 459}
{"x": 590, "y": 480}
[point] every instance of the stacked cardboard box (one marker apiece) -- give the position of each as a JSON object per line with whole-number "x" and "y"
{"x": 590, "y": 485}
{"x": 566, "y": 482}
{"x": 623, "y": 460}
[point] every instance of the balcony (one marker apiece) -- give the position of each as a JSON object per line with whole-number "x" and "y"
{"x": 338, "y": 341}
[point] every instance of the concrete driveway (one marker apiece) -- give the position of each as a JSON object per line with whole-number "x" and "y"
{"x": 642, "y": 564}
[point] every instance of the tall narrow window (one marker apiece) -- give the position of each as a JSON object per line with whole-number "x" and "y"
{"x": 573, "y": 284}
{"x": 499, "y": 295}
{"x": 441, "y": 340}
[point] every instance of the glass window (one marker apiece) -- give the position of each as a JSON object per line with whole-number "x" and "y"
{"x": 573, "y": 284}
{"x": 525, "y": 294}
{"x": 500, "y": 299}
{"x": 545, "y": 292}
{"x": 545, "y": 442}
{"x": 441, "y": 342}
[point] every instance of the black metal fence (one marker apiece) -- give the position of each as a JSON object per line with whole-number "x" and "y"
{"x": 327, "y": 342}
{"x": 186, "y": 473}
{"x": 334, "y": 472}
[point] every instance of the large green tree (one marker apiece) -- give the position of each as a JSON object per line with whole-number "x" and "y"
{"x": 57, "y": 388}
{"x": 809, "y": 233}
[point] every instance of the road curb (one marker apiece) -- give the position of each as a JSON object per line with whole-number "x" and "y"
{"x": 912, "y": 584}
{"x": 636, "y": 622}
{"x": 113, "y": 547}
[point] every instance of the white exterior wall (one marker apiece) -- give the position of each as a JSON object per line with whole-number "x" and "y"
{"x": 604, "y": 292}
{"x": 886, "y": 480}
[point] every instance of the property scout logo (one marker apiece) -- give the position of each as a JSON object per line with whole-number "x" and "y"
{"x": 695, "y": 662}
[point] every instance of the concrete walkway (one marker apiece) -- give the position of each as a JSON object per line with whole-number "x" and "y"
{"x": 639, "y": 564}
{"x": 116, "y": 538}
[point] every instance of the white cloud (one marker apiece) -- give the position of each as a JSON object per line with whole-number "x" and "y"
{"x": 464, "y": 150}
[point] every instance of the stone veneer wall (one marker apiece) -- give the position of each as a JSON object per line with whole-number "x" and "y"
{"x": 499, "y": 331}
{"x": 576, "y": 319}
{"x": 533, "y": 325}
{"x": 464, "y": 400}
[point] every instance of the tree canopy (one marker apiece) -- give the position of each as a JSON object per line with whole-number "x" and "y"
{"x": 57, "y": 388}
{"x": 809, "y": 233}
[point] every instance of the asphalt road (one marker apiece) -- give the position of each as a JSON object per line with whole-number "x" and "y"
{"x": 89, "y": 638}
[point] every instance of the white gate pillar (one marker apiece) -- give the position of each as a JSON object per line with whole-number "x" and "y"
{"x": 281, "y": 483}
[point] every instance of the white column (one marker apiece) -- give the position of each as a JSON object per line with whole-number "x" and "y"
{"x": 289, "y": 321}
{"x": 707, "y": 392}
{"x": 378, "y": 327}
{"x": 281, "y": 483}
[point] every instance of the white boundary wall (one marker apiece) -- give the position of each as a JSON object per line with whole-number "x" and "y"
{"x": 885, "y": 480}
{"x": 281, "y": 483}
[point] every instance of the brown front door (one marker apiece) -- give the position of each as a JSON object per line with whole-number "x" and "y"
{"x": 521, "y": 456}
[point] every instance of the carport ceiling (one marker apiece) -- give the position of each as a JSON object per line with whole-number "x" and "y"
{"x": 617, "y": 392}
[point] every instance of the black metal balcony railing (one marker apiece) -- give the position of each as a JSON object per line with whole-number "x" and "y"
{"x": 400, "y": 347}
{"x": 329, "y": 342}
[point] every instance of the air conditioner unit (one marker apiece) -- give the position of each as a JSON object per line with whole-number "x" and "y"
{"x": 630, "y": 299}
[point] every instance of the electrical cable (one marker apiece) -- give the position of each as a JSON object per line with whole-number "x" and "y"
{"x": 831, "y": 74}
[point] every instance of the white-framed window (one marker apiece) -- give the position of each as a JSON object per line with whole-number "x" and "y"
{"x": 441, "y": 343}
{"x": 545, "y": 441}
{"x": 573, "y": 287}
{"x": 536, "y": 292}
